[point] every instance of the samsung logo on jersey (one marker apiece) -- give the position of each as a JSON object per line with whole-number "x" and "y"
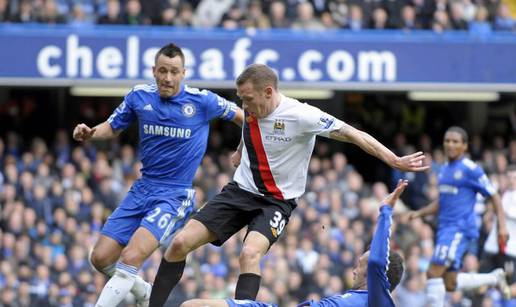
{"x": 278, "y": 139}
{"x": 449, "y": 189}
{"x": 167, "y": 131}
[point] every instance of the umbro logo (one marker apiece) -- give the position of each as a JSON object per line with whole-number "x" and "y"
{"x": 148, "y": 107}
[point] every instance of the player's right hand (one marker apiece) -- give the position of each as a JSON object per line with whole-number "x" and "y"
{"x": 81, "y": 132}
{"x": 392, "y": 198}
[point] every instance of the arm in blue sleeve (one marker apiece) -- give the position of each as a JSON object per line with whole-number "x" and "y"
{"x": 219, "y": 107}
{"x": 377, "y": 283}
{"x": 124, "y": 115}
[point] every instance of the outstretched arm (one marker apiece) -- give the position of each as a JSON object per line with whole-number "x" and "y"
{"x": 102, "y": 131}
{"x": 430, "y": 209}
{"x": 378, "y": 285}
{"x": 410, "y": 163}
{"x": 503, "y": 234}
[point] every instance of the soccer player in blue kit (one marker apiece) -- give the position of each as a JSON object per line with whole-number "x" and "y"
{"x": 173, "y": 122}
{"x": 376, "y": 275}
{"x": 460, "y": 179}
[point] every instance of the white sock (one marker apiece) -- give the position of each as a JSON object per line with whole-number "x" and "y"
{"x": 140, "y": 288}
{"x": 435, "y": 292}
{"x": 118, "y": 285}
{"x": 470, "y": 281}
{"x": 109, "y": 270}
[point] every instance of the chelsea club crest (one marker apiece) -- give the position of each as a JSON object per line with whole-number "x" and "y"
{"x": 188, "y": 110}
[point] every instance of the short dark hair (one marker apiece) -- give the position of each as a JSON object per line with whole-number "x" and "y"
{"x": 460, "y": 131}
{"x": 259, "y": 75}
{"x": 395, "y": 269}
{"x": 170, "y": 50}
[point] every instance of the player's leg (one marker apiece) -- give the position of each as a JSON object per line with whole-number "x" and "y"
{"x": 215, "y": 222}
{"x": 164, "y": 210}
{"x": 172, "y": 265}
{"x": 105, "y": 254}
{"x": 142, "y": 244}
{"x": 435, "y": 288}
{"x": 454, "y": 280}
{"x": 443, "y": 256}
{"x": 248, "y": 284}
{"x": 263, "y": 231}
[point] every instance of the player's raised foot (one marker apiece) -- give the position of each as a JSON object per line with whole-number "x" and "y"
{"x": 144, "y": 301}
{"x": 502, "y": 283}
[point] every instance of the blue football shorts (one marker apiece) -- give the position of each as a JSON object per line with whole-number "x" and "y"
{"x": 160, "y": 209}
{"x": 450, "y": 246}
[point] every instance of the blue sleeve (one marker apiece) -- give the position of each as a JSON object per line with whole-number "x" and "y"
{"x": 377, "y": 283}
{"x": 218, "y": 107}
{"x": 124, "y": 115}
{"x": 481, "y": 183}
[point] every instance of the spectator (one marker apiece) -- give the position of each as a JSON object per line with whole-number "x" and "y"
{"x": 133, "y": 14}
{"x": 457, "y": 19}
{"x": 379, "y": 19}
{"x": 209, "y": 12}
{"x": 306, "y": 19}
{"x": 356, "y": 20}
{"x": 113, "y": 15}
{"x": 50, "y": 13}
{"x": 277, "y": 13}
{"x": 233, "y": 19}
{"x": 503, "y": 20}
{"x": 408, "y": 18}
{"x": 255, "y": 18}
{"x": 481, "y": 25}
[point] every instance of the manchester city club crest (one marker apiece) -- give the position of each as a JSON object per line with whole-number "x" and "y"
{"x": 188, "y": 110}
{"x": 457, "y": 175}
{"x": 279, "y": 127}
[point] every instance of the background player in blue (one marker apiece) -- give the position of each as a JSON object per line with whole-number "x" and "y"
{"x": 173, "y": 122}
{"x": 460, "y": 179}
{"x": 376, "y": 274}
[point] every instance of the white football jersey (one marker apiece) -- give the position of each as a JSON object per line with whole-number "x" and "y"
{"x": 277, "y": 149}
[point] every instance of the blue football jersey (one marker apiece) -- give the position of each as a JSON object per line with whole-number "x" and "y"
{"x": 173, "y": 132}
{"x": 459, "y": 183}
{"x": 378, "y": 286}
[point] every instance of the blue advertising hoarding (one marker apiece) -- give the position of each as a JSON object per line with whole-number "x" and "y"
{"x": 391, "y": 60}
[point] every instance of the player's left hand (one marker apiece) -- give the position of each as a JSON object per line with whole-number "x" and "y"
{"x": 392, "y": 198}
{"x": 412, "y": 163}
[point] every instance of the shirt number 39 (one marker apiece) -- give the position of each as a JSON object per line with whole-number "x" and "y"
{"x": 278, "y": 222}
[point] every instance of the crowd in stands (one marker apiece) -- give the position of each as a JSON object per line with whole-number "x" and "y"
{"x": 54, "y": 198}
{"x": 479, "y": 16}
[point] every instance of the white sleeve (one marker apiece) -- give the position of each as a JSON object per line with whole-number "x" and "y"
{"x": 315, "y": 121}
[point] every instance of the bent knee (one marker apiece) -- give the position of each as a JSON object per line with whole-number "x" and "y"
{"x": 180, "y": 246}
{"x": 99, "y": 260}
{"x": 133, "y": 256}
{"x": 250, "y": 254}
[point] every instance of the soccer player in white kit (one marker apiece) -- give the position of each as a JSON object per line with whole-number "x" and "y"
{"x": 278, "y": 139}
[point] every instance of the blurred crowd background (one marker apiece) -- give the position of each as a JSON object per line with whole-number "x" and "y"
{"x": 479, "y": 16}
{"x": 55, "y": 195}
